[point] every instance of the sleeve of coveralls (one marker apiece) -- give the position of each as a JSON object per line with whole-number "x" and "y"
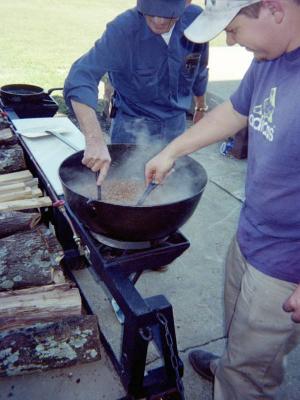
{"x": 85, "y": 74}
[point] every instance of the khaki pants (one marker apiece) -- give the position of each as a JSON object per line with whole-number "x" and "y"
{"x": 260, "y": 333}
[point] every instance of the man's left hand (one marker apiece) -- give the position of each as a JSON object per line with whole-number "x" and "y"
{"x": 292, "y": 304}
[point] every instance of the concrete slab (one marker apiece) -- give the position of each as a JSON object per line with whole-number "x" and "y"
{"x": 228, "y": 63}
{"x": 226, "y": 172}
{"x": 97, "y": 380}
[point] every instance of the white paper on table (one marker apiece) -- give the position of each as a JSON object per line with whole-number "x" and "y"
{"x": 48, "y": 151}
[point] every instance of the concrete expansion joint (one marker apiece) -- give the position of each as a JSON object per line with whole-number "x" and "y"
{"x": 225, "y": 190}
{"x": 187, "y": 349}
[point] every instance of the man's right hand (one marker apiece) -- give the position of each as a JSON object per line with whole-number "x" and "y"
{"x": 96, "y": 157}
{"x": 159, "y": 167}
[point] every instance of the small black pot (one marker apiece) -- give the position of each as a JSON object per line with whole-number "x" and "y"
{"x": 22, "y": 93}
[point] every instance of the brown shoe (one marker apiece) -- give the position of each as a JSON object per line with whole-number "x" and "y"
{"x": 200, "y": 361}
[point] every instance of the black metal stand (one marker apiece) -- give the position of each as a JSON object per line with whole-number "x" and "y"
{"x": 146, "y": 320}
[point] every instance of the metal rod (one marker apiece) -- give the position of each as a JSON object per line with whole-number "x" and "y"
{"x": 98, "y": 186}
{"x": 146, "y": 193}
{"x": 63, "y": 139}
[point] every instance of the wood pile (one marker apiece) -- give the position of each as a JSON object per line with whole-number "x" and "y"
{"x": 42, "y": 322}
{"x": 20, "y": 191}
{"x": 7, "y": 137}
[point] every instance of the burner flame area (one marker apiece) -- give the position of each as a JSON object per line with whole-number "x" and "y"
{"x": 122, "y": 245}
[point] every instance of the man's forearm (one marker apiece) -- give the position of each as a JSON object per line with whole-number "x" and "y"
{"x": 220, "y": 123}
{"x": 88, "y": 121}
{"x": 96, "y": 155}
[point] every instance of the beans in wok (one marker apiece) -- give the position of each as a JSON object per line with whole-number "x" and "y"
{"x": 122, "y": 192}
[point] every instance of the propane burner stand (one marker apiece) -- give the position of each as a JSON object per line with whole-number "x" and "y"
{"x": 145, "y": 320}
{"x": 118, "y": 244}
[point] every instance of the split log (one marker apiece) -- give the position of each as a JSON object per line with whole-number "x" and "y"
{"x": 16, "y": 177}
{"x": 26, "y": 204}
{"x": 53, "y": 345}
{"x": 27, "y": 193}
{"x": 58, "y": 276}
{"x": 19, "y": 186}
{"x": 28, "y": 258}
{"x": 3, "y": 123}
{"x": 16, "y": 221}
{"x": 14, "y": 187}
{"x": 23, "y": 307}
{"x": 19, "y": 195}
{"x": 7, "y": 137}
{"x": 12, "y": 159}
{"x": 33, "y": 183}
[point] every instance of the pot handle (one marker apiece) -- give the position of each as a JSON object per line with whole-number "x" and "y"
{"x": 52, "y": 90}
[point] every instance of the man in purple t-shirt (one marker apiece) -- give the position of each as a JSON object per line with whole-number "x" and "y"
{"x": 262, "y": 280}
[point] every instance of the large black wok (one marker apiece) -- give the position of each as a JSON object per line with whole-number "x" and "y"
{"x": 23, "y": 93}
{"x": 179, "y": 195}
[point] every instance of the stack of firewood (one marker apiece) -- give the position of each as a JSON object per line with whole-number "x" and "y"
{"x": 42, "y": 323}
{"x": 20, "y": 191}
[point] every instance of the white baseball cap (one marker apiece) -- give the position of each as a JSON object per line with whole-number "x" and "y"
{"x": 214, "y": 19}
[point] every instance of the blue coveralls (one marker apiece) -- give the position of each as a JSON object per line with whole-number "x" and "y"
{"x": 153, "y": 82}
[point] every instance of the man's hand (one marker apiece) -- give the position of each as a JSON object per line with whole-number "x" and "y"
{"x": 159, "y": 167}
{"x": 96, "y": 157}
{"x": 292, "y": 304}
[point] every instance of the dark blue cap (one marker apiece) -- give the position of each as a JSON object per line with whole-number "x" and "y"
{"x": 162, "y": 8}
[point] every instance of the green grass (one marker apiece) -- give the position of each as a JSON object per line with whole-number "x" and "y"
{"x": 41, "y": 38}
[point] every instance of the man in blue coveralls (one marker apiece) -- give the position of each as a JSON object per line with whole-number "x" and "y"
{"x": 154, "y": 71}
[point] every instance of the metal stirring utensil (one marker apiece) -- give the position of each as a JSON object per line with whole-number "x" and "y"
{"x": 98, "y": 186}
{"x": 151, "y": 186}
{"x": 62, "y": 139}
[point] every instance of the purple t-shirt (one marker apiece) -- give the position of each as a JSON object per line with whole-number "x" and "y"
{"x": 269, "y": 226}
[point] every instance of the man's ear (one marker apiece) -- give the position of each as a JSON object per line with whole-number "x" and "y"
{"x": 275, "y": 8}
